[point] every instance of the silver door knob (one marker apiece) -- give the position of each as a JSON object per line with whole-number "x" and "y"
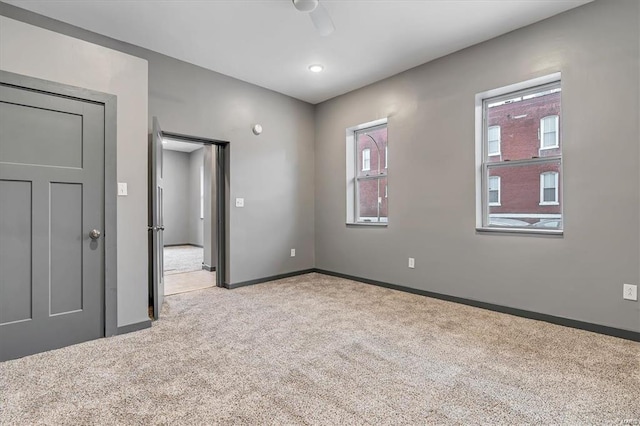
{"x": 94, "y": 234}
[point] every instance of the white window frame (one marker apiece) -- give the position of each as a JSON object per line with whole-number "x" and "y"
{"x": 366, "y": 160}
{"x": 386, "y": 156}
{"x": 497, "y": 203}
{"x": 482, "y": 165}
{"x": 352, "y": 173}
{"x": 542, "y": 188}
{"x": 557, "y": 139}
{"x": 498, "y": 152}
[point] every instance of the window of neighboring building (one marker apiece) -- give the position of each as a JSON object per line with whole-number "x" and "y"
{"x": 366, "y": 160}
{"x": 549, "y": 132}
{"x": 367, "y": 193}
{"x": 493, "y": 140}
{"x": 549, "y": 188}
{"x": 520, "y": 188}
{"x": 386, "y": 157}
{"x": 494, "y": 190}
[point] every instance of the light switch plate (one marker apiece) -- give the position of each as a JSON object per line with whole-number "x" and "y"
{"x": 630, "y": 292}
{"x": 239, "y": 202}
{"x": 122, "y": 189}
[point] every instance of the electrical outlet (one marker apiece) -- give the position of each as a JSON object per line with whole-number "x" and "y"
{"x": 412, "y": 263}
{"x": 239, "y": 202}
{"x": 293, "y": 252}
{"x": 630, "y": 292}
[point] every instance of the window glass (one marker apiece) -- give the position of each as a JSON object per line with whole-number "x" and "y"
{"x": 371, "y": 193}
{"x": 372, "y": 202}
{"x": 515, "y": 192}
{"x": 522, "y": 186}
{"x": 520, "y": 124}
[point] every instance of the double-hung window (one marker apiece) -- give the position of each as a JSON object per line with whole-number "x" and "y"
{"x": 549, "y": 137}
{"x": 494, "y": 190}
{"x": 493, "y": 141}
{"x": 549, "y": 188}
{"x": 519, "y": 157}
{"x": 367, "y": 190}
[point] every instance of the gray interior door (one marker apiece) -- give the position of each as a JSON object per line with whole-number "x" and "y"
{"x": 51, "y": 199}
{"x": 156, "y": 226}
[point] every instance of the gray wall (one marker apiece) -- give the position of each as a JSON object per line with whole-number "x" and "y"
{"x": 196, "y": 230}
{"x": 274, "y": 172}
{"x": 183, "y": 224}
{"x": 432, "y": 173}
{"x": 32, "y": 51}
{"x": 176, "y": 180}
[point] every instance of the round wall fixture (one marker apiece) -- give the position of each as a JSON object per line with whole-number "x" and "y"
{"x": 257, "y": 129}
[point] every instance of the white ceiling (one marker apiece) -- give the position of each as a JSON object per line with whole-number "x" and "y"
{"x": 271, "y": 44}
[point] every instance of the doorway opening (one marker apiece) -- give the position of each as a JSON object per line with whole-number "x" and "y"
{"x": 187, "y": 249}
{"x": 188, "y": 183}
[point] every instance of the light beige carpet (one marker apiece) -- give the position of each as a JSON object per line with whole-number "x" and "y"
{"x": 321, "y": 350}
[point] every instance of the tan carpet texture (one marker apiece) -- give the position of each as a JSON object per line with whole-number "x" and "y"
{"x": 315, "y": 349}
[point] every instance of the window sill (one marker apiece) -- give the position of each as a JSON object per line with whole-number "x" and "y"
{"x": 382, "y": 224}
{"x": 549, "y": 203}
{"x": 556, "y": 232}
{"x": 544, "y": 148}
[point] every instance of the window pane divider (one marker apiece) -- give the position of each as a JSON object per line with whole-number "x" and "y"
{"x": 369, "y": 177}
{"x": 526, "y": 161}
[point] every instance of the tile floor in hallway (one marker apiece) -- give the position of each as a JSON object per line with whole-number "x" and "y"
{"x": 188, "y": 281}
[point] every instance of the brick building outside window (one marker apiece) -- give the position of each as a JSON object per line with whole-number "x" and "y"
{"x": 371, "y": 174}
{"x": 524, "y": 130}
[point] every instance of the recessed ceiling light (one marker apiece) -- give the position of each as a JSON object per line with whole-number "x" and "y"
{"x": 316, "y": 68}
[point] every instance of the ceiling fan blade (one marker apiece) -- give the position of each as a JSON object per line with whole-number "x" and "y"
{"x": 322, "y": 21}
